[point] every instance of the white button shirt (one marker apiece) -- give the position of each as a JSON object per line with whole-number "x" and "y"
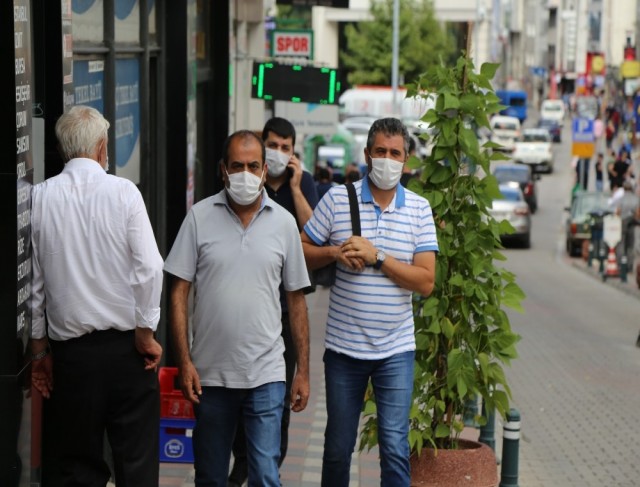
{"x": 96, "y": 264}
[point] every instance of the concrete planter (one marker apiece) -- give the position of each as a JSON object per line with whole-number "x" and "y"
{"x": 473, "y": 464}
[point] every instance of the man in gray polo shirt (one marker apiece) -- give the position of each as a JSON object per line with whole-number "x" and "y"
{"x": 236, "y": 247}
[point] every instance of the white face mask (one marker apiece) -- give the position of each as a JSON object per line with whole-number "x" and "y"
{"x": 244, "y": 187}
{"x": 385, "y": 173}
{"x": 277, "y": 162}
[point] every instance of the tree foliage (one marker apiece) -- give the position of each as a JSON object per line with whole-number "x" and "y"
{"x": 422, "y": 43}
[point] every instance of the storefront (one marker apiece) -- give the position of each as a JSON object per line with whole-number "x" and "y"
{"x": 159, "y": 72}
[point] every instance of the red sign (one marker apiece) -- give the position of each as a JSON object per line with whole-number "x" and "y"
{"x": 292, "y": 43}
{"x": 595, "y": 63}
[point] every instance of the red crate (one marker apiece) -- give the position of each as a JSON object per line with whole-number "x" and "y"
{"x": 174, "y": 405}
{"x": 172, "y": 402}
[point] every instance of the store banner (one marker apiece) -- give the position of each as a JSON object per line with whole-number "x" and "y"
{"x": 127, "y": 123}
{"x": 89, "y": 83}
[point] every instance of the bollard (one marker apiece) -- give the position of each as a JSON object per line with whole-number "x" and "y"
{"x": 510, "y": 446}
{"x": 602, "y": 252}
{"x": 591, "y": 252}
{"x": 623, "y": 267}
{"x": 470, "y": 411}
{"x": 488, "y": 431}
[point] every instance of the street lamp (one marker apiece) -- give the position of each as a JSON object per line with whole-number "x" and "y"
{"x": 394, "y": 56}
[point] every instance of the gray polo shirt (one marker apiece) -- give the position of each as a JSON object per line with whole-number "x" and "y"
{"x": 236, "y": 272}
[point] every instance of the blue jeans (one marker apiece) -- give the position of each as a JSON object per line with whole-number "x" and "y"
{"x": 216, "y": 419}
{"x": 346, "y": 381}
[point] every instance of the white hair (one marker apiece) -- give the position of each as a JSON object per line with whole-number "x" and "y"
{"x": 80, "y": 130}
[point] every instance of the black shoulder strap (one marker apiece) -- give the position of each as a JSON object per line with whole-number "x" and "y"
{"x": 353, "y": 206}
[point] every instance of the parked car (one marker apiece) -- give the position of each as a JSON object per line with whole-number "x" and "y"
{"x": 513, "y": 208}
{"x": 578, "y": 224}
{"x": 504, "y": 131}
{"x": 552, "y": 110}
{"x": 524, "y": 176}
{"x": 534, "y": 149}
{"x": 554, "y": 129}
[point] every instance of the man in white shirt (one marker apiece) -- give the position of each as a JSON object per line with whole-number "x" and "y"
{"x": 97, "y": 274}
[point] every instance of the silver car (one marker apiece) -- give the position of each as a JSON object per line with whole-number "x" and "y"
{"x": 513, "y": 208}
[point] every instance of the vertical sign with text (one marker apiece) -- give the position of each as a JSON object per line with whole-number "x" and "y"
{"x": 67, "y": 55}
{"x": 24, "y": 163}
{"x": 128, "y": 119}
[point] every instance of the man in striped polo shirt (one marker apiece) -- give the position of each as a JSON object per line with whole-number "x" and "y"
{"x": 370, "y": 328}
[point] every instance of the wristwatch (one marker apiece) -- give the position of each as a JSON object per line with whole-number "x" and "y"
{"x": 380, "y": 256}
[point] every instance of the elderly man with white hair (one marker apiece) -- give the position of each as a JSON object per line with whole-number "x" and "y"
{"x": 97, "y": 280}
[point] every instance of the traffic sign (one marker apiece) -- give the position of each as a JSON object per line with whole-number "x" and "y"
{"x": 538, "y": 71}
{"x": 583, "y": 137}
{"x": 583, "y": 130}
{"x": 612, "y": 230}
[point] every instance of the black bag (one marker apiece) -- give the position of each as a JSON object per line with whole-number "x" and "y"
{"x": 326, "y": 276}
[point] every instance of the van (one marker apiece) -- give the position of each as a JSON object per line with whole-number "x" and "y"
{"x": 516, "y": 103}
{"x": 552, "y": 110}
{"x": 505, "y": 131}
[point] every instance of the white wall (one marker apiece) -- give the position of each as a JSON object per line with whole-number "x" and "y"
{"x": 247, "y": 42}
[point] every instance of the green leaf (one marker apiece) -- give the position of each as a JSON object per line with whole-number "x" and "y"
{"x": 369, "y": 407}
{"x": 488, "y": 70}
{"x": 451, "y": 102}
{"x": 447, "y": 327}
{"x": 442, "y": 431}
{"x": 440, "y": 175}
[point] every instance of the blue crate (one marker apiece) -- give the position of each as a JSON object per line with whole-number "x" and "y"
{"x": 175, "y": 440}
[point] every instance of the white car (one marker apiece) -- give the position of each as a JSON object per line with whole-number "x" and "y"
{"x": 513, "y": 208}
{"x": 552, "y": 110}
{"x": 534, "y": 148}
{"x": 504, "y": 131}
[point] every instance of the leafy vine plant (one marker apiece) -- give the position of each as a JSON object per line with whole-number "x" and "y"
{"x": 463, "y": 334}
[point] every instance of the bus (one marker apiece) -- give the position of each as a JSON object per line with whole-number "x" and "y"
{"x": 516, "y": 103}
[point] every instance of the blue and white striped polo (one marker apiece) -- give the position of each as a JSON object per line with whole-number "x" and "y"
{"x": 371, "y": 317}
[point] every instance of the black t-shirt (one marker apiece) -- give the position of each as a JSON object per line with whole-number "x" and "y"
{"x": 620, "y": 169}
{"x": 284, "y": 198}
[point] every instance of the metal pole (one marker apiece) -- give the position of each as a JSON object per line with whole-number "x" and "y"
{"x": 487, "y": 432}
{"x": 394, "y": 56}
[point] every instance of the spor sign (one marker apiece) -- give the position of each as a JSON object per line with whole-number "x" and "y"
{"x": 295, "y": 43}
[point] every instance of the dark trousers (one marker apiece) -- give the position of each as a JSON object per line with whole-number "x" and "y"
{"x": 290, "y": 359}
{"x": 100, "y": 385}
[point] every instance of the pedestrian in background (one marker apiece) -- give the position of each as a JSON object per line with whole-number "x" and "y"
{"x": 582, "y": 172}
{"x": 352, "y": 174}
{"x": 236, "y": 248}
{"x": 324, "y": 182}
{"x": 370, "y": 328}
{"x": 599, "y": 172}
{"x": 97, "y": 274}
{"x": 294, "y": 189}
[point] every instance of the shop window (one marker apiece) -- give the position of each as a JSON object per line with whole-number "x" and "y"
{"x": 87, "y": 20}
{"x": 127, "y": 21}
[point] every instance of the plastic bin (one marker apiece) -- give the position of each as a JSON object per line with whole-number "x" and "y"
{"x": 172, "y": 402}
{"x": 175, "y": 440}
